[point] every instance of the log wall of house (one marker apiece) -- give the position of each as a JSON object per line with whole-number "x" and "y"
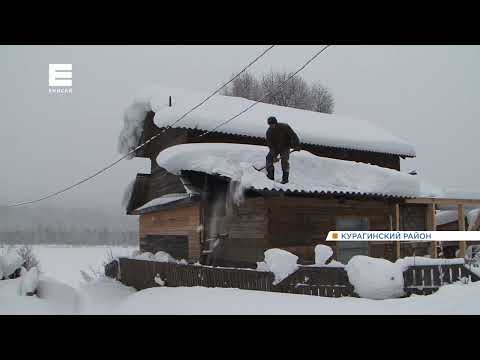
{"x": 451, "y": 226}
{"x": 245, "y": 223}
{"x": 247, "y": 226}
{"x": 182, "y": 221}
{"x": 305, "y": 222}
{"x": 298, "y": 224}
{"x": 413, "y": 217}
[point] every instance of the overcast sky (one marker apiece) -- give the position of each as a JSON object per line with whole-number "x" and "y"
{"x": 428, "y": 95}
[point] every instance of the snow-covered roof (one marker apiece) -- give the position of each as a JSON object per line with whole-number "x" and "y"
{"x": 473, "y": 218}
{"x": 448, "y": 216}
{"x": 165, "y": 199}
{"x": 308, "y": 173}
{"x": 429, "y": 190}
{"x": 312, "y": 127}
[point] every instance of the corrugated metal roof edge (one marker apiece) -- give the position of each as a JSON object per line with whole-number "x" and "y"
{"x": 316, "y": 192}
{"x": 335, "y": 147}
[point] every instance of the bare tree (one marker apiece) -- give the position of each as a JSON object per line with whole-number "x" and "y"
{"x": 28, "y": 256}
{"x": 273, "y": 88}
{"x": 245, "y": 86}
{"x": 322, "y": 100}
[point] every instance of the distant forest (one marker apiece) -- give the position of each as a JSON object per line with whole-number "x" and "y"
{"x": 67, "y": 226}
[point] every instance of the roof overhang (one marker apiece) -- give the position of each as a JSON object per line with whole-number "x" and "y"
{"x": 171, "y": 205}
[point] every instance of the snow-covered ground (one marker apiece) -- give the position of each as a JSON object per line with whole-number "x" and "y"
{"x": 65, "y": 262}
{"x": 107, "y": 296}
{"x": 61, "y": 290}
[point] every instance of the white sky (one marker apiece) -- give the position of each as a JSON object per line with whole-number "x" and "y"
{"x": 428, "y": 95}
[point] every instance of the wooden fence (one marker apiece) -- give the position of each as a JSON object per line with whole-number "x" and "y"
{"x": 140, "y": 274}
{"x": 426, "y": 279}
{"x": 307, "y": 280}
{"x": 319, "y": 281}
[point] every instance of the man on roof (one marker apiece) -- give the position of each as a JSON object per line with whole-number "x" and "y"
{"x": 280, "y": 138}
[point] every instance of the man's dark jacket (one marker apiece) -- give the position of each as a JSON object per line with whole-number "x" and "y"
{"x": 281, "y": 138}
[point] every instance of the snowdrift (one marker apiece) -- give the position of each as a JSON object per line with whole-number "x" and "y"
{"x": 308, "y": 173}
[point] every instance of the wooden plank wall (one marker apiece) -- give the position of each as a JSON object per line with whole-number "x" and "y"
{"x": 310, "y": 220}
{"x": 413, "y": 217}
{"x": 247, "y": 228}
{"x": 180, "y": 221}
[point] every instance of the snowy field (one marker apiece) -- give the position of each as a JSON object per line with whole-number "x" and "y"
{"x": 65, "y": 262}
{"x": 62, "y": 290}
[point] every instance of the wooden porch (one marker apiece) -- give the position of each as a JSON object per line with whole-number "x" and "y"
{"x": 432, "y": 205}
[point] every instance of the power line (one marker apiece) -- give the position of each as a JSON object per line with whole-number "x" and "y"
{"x": 263, "y": 97}
{"x": 146, "y": 142}
{"x": 224, "y": 85}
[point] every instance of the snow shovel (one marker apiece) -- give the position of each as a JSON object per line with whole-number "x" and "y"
{"x": 274, "y": 161}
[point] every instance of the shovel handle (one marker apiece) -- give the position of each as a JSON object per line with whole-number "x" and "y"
{"x": 274, "y": 160}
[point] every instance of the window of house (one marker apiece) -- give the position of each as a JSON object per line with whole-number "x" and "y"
{"x": 348, "y": 249}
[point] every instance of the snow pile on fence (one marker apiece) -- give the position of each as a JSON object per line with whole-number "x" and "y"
{"x": 375, "y": 278}
{"x": 160, "y": 256}
{"x": 312, "y": 127}
{"x": 406, "y": 262}
{"x": 322, "y": 254}
{"x": 308, "y": 173}
{"x": 163, "y": 256}
{"x": 280, "y": 262}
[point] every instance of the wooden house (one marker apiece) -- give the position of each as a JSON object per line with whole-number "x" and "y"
{"x": 193, "y": 211}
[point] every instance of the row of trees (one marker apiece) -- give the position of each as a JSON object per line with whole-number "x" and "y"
{"x": 272, "y": 88}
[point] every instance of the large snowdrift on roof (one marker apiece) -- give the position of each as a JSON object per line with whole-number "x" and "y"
{"x": 312, "y": 127}
{"x": 308, "y": 173}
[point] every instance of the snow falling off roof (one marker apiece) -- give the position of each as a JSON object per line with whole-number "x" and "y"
{"x": 308, "y": 173}
{"x": 312, "y": 127}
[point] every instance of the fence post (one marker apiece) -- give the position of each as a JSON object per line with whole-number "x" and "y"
{"x": 461, "y": 227}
